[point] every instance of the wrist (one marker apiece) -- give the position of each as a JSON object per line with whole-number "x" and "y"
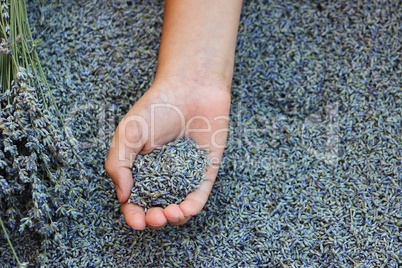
{"x": 199, "y": 70}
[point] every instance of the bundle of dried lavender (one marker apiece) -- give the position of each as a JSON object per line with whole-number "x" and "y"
{"x": 38, "y": 156}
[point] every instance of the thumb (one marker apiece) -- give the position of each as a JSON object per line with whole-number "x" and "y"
{"x": 127, "y": 142}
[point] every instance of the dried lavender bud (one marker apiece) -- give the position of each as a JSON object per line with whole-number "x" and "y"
{"x": 168, "y": 174}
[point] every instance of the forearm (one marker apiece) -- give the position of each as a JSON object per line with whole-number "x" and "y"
{"x": 198, "y": 41}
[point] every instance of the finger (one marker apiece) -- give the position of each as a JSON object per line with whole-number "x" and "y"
{"x": 196, "y": 200}
{"x": 126, "y": 143}
{"x": 134, "y": 216}
{"x": 122, "y": 178}
{"x": 155, "y": 219}
{"x": 121, "y": 174}
{"x": 174, "y": 215}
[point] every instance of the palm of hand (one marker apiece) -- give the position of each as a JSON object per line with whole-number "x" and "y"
{"x": 160, "y": 116}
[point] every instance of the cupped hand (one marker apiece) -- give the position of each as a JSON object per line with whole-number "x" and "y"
{"x": 164, "y": 113}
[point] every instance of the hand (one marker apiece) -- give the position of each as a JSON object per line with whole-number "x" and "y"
{"x": 164, "y": 113}
{"x": 190, "y": 95}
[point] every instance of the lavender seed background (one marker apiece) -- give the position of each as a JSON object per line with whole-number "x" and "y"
{"x": 311, "y": 176}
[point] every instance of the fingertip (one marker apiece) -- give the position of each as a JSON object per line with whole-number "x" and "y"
{"x": 134, "y": 216}
{"x": 138, "y": 223}
{"x": 191, "y": 207}
{"x": 175, "y": 215}
{"x": 155, "y": 219}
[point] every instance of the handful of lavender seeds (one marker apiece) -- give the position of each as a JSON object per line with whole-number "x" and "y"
{"x": 168, "y": 174}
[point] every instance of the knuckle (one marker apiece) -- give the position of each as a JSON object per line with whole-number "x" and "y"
{"x": 109, "y": 167}
{"x": 133, "y": 136}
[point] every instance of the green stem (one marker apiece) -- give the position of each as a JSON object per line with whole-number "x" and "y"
{"x": 9, "y": 241}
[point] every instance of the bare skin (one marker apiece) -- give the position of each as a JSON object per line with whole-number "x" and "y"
{"x": 189, "y": 96}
